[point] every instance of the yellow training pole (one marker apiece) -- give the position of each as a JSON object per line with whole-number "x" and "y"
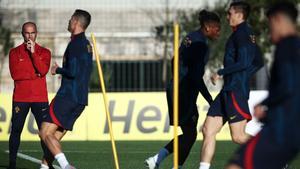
{"x": 175, "y": 93}
{"x": 100, "y": 73}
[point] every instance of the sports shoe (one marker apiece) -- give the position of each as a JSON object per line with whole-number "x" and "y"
{"x": 69, "y": 167}
{"x": 150, "y": 163}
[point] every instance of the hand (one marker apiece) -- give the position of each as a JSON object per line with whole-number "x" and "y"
{"x": 214, "y": 78}
{"x": 30, "y": 45}
{"x": 53, "y": 68}
{"x": 260, "y": 111}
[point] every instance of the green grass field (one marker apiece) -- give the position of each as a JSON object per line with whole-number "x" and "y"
{"x": 98, "y": 155}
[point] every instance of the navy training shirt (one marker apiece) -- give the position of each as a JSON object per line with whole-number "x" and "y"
{"x": 241, "y": 60}
{"x": 76, "y": 70}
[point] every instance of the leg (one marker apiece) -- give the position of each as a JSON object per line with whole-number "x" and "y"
{"x": 19, "y": 113}
{"x": 238, "y": 133}
{"x": 239, "y": 115}
{"x": 264, "y": 151}
{"x": 39, "y": 110}
{"x": 186, "y": 142}
{"x": 47, "y": 134}
{"x": 211, "y": 127}
{"x": 48, "y": 158}
{"x": 233, "y": 166}
{"x": 50, "y": 135}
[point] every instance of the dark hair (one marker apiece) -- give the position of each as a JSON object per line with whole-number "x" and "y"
{"x": 287, "y": 8}
{"x": 83, "y": 16}
{"x": 28, "y": 23}
{"x": 241, "y": 6}
{"x": 208, "y": 17}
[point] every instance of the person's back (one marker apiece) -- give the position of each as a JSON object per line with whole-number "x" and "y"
{"x": 192, "y": 60}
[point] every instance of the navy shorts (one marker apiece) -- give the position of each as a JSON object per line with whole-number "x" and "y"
{"x": 263, "y": 152}
{"x": 64, "y": 113}
{"x": 231, "y": 106}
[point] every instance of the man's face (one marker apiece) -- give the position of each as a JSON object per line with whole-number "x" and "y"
{"x": 214, "y": 31}
{"x": 72, "y": 24}
{"x": 234, "y": 17}
{"x": 29, "y": 32}
{"x": 274, "y": 26}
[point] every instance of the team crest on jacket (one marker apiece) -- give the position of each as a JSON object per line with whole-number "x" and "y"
{"x": 17, "y": 109}
{"x": 89, "y": 48}
{"x": 187, "y": 42}
{"x": 253, "y": 38}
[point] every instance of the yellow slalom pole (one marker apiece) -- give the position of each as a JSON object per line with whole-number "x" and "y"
{"x": 175, "y": 93}
{"x": 100, "y": 73}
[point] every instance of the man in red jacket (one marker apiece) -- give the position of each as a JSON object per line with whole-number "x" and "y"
{"x": 28, "y": 65}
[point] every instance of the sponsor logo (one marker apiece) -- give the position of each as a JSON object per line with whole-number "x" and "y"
{"x": 253, "y": 38}
{"x": 232, "y": 117}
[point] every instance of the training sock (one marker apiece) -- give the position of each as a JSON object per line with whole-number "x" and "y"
{"x": 43, "y": 166}
{"x": 162, "y": 154}
{"x": 61, "y": 159}
{"x": 204, "y": 165}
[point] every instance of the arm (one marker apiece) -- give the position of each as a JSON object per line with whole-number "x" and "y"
{"x": 42, "y": 62}
{"x": 19, "y": 70}
{"x": 70, "y": 67}
{"x": 244, "y": 56}
{"x": 197, "y": 53}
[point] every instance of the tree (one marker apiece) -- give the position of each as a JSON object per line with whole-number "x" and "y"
{"x": 5, "y": 44}
{"x": 188, "y": 21}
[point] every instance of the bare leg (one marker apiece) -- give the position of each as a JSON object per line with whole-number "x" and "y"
{"x": 211, "y": 127}
{"x": 51, "y": 137}
{"x": 238, "y": 133}
{"x": 48, "y": 159}
{"x": 233, "y": 166}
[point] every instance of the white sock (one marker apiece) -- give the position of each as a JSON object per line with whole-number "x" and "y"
{"x": 155, "y": 157}
{"x": 61, "y": 159}
{"x": 204, "y": 165}
{"x": 43, "y": 166}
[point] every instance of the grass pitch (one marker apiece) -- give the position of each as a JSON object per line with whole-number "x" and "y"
{"x": 98, "y": 154}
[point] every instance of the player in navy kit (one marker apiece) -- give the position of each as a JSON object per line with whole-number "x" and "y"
{"x": 279, "y": 140}
{"x": 72, "y": 96}
{"x": 193, "y": 57}
{"x": 231, "y": 105}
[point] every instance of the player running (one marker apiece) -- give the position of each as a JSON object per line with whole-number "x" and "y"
{"x": 231, "y": 104}
{"x": 192, "y": 60}
{"x": 279, "y": 140}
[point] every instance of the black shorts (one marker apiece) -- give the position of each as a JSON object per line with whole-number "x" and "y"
{"x": 231, "y": 106}
{"x": 263, "y": 152}
{"x": 64, "y": 113}
{"x": 21, "y": 109}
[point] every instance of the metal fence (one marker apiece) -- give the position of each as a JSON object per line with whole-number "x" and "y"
{"x": 130, "y": 76}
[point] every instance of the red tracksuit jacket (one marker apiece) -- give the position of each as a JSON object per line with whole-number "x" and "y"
{"x": 29, "y": 73}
